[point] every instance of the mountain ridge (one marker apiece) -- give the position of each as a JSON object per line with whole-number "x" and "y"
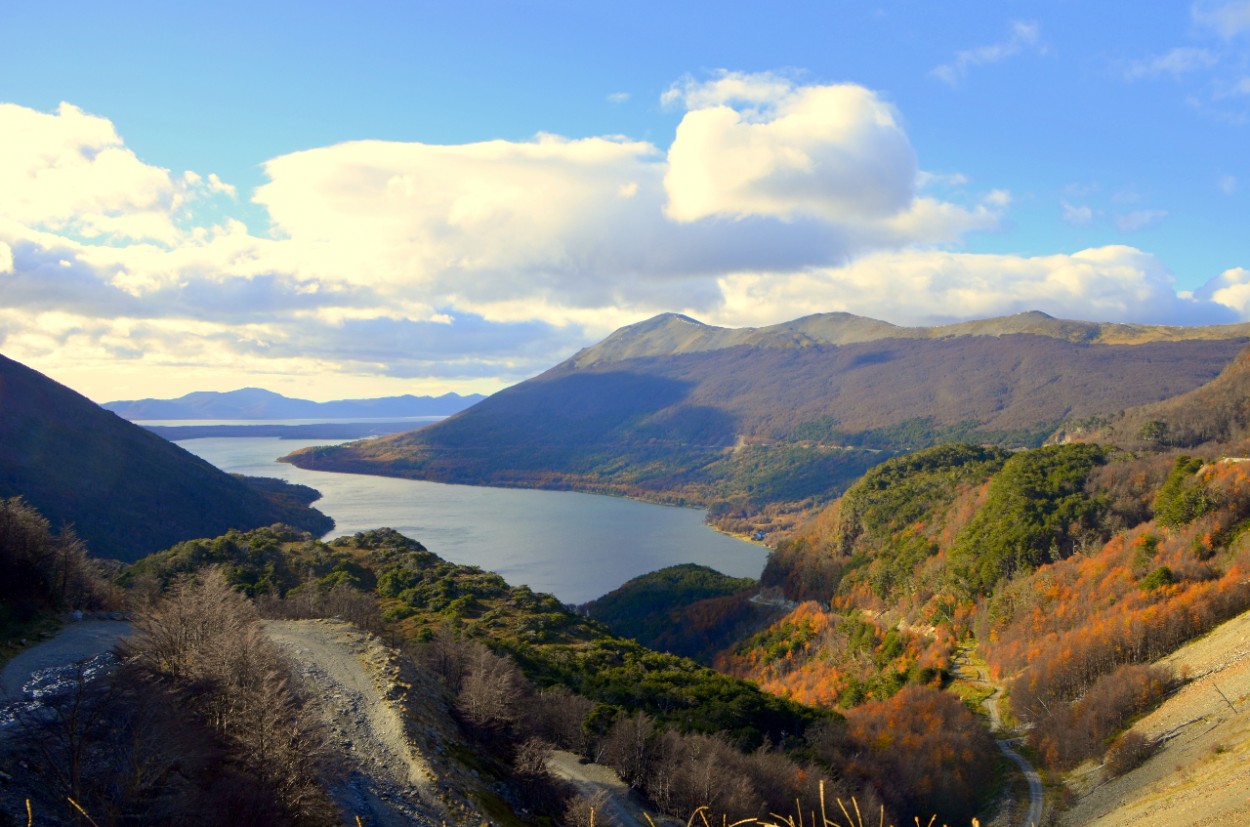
{"x": 261, "y": 404}
{"x": 674, "y": 333}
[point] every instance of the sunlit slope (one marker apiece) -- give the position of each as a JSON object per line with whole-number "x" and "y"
{"x": 675, "y": 410}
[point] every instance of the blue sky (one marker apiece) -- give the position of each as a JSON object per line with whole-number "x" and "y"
{"x": 357, "y": 199}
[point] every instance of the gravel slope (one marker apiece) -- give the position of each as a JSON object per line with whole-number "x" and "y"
{"x": 1201, "y": 773}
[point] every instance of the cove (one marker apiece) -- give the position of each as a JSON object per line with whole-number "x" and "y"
{"x": 575, "y": 546}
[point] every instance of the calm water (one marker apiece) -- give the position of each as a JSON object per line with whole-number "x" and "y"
{"x": 575, "y": 546}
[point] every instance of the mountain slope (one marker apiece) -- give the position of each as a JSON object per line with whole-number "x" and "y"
{"x": 1200, "y": 772}
{"x": 126, "y": 491}
{"x": 1217, "y": 412}
{"x": 672, "y": 409}
{"x": 256, "y": 403}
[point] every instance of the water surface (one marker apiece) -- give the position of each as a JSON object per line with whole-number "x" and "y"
{"x": 575, "y": 546}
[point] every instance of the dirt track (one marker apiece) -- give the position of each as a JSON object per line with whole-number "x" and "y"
{"x": 619, "y": 809}
{"x": 386, "y": 781}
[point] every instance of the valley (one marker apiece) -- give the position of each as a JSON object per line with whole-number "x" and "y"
{"x": 1083, "y": 561}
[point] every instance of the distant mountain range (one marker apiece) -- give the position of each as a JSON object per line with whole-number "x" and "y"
{"x": 675, "y": 410}
{"x": 126, "y": 491}
{"x": 259, "y": 404}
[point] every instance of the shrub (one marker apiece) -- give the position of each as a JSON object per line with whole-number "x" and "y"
{"x": 1128, "y": 752}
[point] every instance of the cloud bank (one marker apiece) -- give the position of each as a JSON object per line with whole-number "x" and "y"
{"x": 395, "y": 267}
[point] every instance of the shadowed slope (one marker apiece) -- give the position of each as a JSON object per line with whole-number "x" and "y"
{"x": 126, "y": 491}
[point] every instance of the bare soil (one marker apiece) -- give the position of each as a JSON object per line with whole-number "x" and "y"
{"x": 1200, "y": 773}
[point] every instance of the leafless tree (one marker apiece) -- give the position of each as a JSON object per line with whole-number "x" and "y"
{"x": 493, "y": 688}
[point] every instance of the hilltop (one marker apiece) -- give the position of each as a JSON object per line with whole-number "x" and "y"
{"x": 126, "y": 491}
{"x": 758, "y": 424}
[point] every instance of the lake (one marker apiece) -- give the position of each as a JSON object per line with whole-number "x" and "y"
{"x": 575, "y": 546}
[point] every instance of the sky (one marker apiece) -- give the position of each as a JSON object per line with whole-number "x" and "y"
{"x": 340, "y": 200}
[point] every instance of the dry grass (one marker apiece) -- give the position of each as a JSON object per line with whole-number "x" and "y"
{"x": 853, "y": 816}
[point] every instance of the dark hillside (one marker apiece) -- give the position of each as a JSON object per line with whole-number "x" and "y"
{"x": 126, "y": 491}
{"x": 654, "y": 609}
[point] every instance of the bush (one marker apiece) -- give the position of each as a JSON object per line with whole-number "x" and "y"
{"x": 1128, "y": 752}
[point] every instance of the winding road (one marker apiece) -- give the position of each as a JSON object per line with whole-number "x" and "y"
{"x": 979, "y": 675}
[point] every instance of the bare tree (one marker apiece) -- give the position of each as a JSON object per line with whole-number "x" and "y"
{"x": 493, "y": 688}
{"x": 205, "y": 641}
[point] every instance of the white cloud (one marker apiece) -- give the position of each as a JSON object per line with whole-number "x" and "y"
{"x": 1113, "y": 283}
{"x": 1176, "y": 62}
{"x": 480, "y": 264}
{"x": 724, "y": 88}
{"x": 1078, "y": 215}
{"x": 70, "y": 172}
{"x": 1139, "y": 220}
{"x": 836, "y": 153}
{"x": 1227, "y": 19}
{"x": 1024, "y": 36}
{"x": 1227, "y": 184}
{"x": 1231, "y": 289}
{"x": 618, "y": 97}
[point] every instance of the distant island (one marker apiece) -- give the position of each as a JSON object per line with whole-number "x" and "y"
{"x": 260, "y": 404}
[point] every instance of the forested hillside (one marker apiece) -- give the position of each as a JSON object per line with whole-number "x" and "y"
{"x": 761, "y": 424}
{"x": 125, "y": 491}
{"x": 518, "y": 673}
{"x": 1068, "y": 568}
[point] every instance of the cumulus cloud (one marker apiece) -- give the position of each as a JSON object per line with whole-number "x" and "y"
{"x": 70, "y": 172}
{"x": 395, "y": 266}
{"x": 1025, "y": 36}
{"x": 1231, "y": 289}
{"x": 1114, "y": 283}
{"x": 762, "y": 173}
{"x": 832, "y": 152}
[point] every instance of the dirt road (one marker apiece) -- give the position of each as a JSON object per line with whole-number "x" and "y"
{"x": 978, "y": 674}
{"x": 387, "y": 783}
{"x": 76, "y": 641}
{"x": 619, "y": 809}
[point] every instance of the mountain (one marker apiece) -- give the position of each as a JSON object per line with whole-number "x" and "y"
{"x": 1217, "y": 412}
{"x": 126, "y": 491}
{"x": 675, "y": 410}
{"x": 256, "y": 403}
{"x": 672, "y": 333}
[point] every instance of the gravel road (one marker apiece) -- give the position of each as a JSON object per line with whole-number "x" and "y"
{"x": 75, "y": 642}
{"x": 386, "y": 783}
{"x": 619, "y": 810}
